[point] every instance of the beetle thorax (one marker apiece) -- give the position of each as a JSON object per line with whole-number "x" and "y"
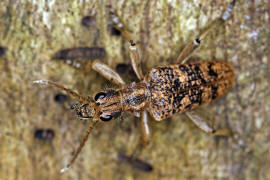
{"x": 134, "y": 97}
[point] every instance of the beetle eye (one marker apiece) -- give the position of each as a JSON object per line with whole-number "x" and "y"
{"x": 99, "y": 95}
{"x": 107, "y": 118}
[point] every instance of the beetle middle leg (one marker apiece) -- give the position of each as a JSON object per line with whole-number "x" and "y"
{"x": 145, "y": 135}
{"x": 107, "y": 72}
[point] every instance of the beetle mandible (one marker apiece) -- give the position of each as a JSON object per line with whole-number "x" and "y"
{"x": 162, "y": 92}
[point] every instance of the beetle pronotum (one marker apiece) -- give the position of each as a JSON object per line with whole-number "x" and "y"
{"x": 162, "y": 92}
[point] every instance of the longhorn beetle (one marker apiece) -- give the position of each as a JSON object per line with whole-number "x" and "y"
{"x": 162, "y": 92}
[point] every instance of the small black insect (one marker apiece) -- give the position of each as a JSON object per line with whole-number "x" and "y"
{"x": 81, "y": 52}
{"x": 61, "y": 98}
{"x": 135, "y": 163}
{"x": 89, "y": 21}
{"x": 2, "y": 51}
{"x": 126, "y": 70}
{"x": 122, "y": 68}
{"x": 44, "y": 134}
{"x": 114, "y": 31}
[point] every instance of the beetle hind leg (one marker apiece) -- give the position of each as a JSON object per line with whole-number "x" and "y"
{"x": 201, "y": 123}
{"x": 195, "y": 44}
{"x": 145, "y": 134}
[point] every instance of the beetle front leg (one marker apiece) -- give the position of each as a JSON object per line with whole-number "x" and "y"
{"x": 118, "y": 23}
{"x": 107, "y": 72}
{"x": 135, "y": 60}
{"x": 133, "y": 50}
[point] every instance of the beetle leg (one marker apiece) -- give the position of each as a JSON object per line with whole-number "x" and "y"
{"x": 145, "y": 129}
{"x": 118, "y": 23}
{"x": 195, "y": 44}
{"x": 107, "y": 72}
{"x": 201, "y": 123}
{"x": 145, "y": 135}
{"x": 133, "y": 50}
{"x": 135, "y": 60}
{"x": 144, "y": 141}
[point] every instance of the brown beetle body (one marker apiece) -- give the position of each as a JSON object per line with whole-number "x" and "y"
{"x": 168, "y": 90}
{"x": 178, "y": 88}
{"x": 163, "y": 91}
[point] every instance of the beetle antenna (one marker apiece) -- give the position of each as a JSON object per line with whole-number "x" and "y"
{"x": 68, "y": 91}
{"x": 78, "y": 150}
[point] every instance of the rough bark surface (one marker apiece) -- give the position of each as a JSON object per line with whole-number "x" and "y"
{"x": 33, "y": 31}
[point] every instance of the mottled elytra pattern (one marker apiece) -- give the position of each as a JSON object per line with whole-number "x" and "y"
{"x": 178, "y": 88}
